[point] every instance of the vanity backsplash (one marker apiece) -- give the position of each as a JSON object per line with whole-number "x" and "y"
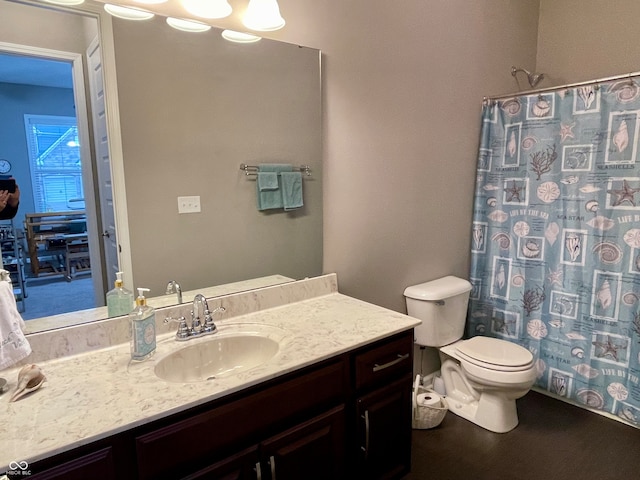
{"x": 86, "y": 337}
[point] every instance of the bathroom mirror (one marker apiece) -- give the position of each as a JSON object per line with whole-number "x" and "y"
{"x": 192, "y": 107}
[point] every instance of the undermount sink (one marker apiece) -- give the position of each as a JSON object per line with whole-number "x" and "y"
{"x": 218, "y": 355}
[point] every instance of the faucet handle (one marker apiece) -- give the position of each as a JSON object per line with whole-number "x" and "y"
{"x": 209, "y": 326}
{"x": 183, "y": 330}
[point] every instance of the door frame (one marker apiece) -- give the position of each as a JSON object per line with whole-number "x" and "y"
{"x": 79, "y": 95}
{"x": 105, "y": 32}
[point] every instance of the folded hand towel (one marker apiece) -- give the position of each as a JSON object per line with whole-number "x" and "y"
{"x": 13, "y": 344}
{"x": 291, "y": 190}
{"x": 271, "y": 198}
{"x": 267, "y": 181}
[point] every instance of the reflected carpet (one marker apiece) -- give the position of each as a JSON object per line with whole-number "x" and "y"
{"x": 52, "y": 296}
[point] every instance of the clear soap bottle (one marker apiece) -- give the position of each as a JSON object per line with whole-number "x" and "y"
{"x": 143, "y": 328}
{"x": 119, "y": 300}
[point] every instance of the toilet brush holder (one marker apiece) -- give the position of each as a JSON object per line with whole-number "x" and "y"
{"x": 429, "y": 409}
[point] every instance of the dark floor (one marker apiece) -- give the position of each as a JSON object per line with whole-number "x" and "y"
{"x": 554, "y": 440}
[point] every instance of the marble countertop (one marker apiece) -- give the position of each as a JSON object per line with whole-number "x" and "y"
{"x": 94, "y": 395}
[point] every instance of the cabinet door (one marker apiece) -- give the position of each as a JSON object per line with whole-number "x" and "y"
{"x": 98, "y": 465}
{"x": 243, "y": 466}
{"x": 384, "y": 431}
{"x": 313, "y": 450}
{"x": 183, "y": 447}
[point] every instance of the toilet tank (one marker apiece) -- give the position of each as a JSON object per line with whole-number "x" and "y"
{"x": 442, "y": 306}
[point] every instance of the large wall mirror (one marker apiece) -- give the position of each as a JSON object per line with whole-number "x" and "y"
{"x": 191, "y": 108}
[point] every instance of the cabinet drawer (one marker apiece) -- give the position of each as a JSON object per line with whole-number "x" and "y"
{"x": 385, "y": 361}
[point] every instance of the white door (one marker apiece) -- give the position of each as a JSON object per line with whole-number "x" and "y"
{"x": 103, "y": 161}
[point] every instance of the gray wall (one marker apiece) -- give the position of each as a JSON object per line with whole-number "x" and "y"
{"x": 403, "y": 87}
{"x": 46, "y": 28}
{"x": 581, "y": 40}
{"x": 404, "y": 82}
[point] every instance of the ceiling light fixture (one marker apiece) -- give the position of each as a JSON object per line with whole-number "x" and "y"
{"x": 127, "y": 13}
{"x": 263, "y": 16}
{"x": 190, "y": 26}
{"x": 208, "y": 8}
{"x": 64, "y": 2}
{"x": 240, "y": 37}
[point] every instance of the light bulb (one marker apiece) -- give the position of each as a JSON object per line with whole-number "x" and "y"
{"x": 188, "y": 25}
{"x": 263, "y": 15}
{"x": 240, "y": 37}
{"x": 127, "y": 13}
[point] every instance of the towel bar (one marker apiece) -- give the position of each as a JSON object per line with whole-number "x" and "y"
{"x": 253, "y": 169}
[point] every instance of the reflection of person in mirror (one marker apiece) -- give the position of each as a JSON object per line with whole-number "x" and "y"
{"x": 9, "y": 203}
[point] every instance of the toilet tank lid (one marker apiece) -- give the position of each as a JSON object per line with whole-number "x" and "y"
{"x": 439, "y": 289}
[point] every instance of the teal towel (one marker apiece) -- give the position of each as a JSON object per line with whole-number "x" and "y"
{"x": 275, "y": 167}
{"x": 267, "y": 181}
{"x": 271, "y": 198}
{"x": 291, "y": 190}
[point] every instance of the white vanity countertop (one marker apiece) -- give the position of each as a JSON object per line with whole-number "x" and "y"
{"x": 93, "y": 395}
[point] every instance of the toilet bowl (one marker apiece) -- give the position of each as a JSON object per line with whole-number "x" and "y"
{"x": 482, "y": 376}
{"x": 484, "y": 391}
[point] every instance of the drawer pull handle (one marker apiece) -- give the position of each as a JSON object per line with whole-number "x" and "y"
{"x": 365, "y": 449}
{"x": 272, "y": 463}
{"x": 377, "y": 368}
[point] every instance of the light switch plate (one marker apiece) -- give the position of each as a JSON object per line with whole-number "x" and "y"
{"x": 189, "y": 204}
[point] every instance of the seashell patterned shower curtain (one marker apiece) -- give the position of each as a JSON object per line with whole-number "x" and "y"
{"x": 555, "y": 262}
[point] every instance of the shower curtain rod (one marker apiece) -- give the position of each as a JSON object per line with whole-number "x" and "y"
{"x": 562, "y": 87}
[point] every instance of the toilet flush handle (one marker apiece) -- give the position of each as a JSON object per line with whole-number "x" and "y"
{"x": 440, "y": 303}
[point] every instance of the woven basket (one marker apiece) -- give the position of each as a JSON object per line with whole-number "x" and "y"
{"x": 426, "y": 416}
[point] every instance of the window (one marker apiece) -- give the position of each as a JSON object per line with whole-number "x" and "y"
{"x": 54, "y": 158}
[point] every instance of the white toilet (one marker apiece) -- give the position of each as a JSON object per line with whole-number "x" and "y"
{"x": 482, "y": 376}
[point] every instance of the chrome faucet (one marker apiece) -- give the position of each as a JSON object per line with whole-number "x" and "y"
{"x": 201, "y": 320}
{"x": 174, "y": 287}
{"x": 200, "y": 306}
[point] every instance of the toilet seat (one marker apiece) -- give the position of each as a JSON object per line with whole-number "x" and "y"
{"x": 494, "y": 354}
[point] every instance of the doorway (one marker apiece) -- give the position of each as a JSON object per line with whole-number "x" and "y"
{"x": 59, "y": 223}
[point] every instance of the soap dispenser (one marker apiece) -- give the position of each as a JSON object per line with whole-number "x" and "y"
{"x": 119, "y": 300}
{"x": 143, "y": 328}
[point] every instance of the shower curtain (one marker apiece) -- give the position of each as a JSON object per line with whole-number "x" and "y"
{"x": 555, "y": 262}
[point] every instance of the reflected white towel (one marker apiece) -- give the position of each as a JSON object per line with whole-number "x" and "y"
{"x": 13, "y": 344}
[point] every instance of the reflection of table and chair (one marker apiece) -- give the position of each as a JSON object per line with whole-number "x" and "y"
{"x": 57, "y": 243}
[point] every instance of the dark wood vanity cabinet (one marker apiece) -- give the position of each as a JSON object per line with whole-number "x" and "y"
{"x": 98, "y": 465}
{"x": 344, "y": 418}
{"x": 384, "y": 432}
{"x": 313, "y": 450}
{"x": 383, "y": 378}
{"x": 197, "y": 442}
